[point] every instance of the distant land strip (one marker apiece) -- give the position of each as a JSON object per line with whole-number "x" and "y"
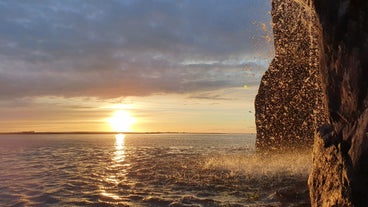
{"x": 98, "y": 132}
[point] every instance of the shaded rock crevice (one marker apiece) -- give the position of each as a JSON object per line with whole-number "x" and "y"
{"x": 343, "y": 66}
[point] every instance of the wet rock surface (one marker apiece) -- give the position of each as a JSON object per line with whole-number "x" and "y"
{"x": 289, "y": 98}
{"x": 326, "y": 43}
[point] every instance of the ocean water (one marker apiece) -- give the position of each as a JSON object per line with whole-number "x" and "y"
{"x": 147, "y": 170}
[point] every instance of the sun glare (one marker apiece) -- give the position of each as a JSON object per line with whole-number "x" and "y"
{"x": 121, "y": 121}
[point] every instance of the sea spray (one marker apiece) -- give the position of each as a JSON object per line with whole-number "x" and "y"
{"x": 281, "y": 176}
{"x": 259, "y": 165}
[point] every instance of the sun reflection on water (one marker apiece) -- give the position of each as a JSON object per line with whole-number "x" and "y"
{"x": 119, "y": 154}
{"x": 109, "y": 189}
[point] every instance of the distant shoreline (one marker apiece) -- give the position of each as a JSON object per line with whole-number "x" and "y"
{"x": 92, "y": 132}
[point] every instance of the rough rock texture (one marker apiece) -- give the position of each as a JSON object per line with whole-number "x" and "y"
{"x": 320, "y": 77}
{"x": 340, "y": 167}
{"x": 288, "y": 101}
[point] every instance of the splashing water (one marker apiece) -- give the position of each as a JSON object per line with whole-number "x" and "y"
{"x": 257, "y": 165}
{"x": 271, "y": 178}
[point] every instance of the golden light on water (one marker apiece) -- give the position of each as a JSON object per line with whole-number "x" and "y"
{"x": 119, "y": 154}
{"x": 121, "y": 121}
{"x": 119, "y": 141}
{"x": 118, "y": 165}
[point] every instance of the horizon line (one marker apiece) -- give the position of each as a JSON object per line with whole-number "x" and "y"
{"x": 112, "y": 132}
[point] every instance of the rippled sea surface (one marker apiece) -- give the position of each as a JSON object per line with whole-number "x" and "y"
{"x": 147, "y": 170}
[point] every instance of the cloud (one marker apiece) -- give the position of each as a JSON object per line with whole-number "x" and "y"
{"x": 129, "y": 48}
{"x": 210, "y": 96}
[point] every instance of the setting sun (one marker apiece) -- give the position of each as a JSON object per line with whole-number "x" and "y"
{"x": 121, "y": 121}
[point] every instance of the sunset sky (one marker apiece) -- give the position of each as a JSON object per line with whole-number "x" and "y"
{"x": 170, "y": 65}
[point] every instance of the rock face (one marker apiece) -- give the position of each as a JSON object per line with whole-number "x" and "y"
{"x": 340, "y": 167}
{"x": 289, "y": 98}
{"x": 317, "y": 89}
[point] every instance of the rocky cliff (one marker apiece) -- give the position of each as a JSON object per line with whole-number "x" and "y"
{"x": 340, "y": 171}
{"x": 322, "y": 52}
{"x": 289, "y": 97}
